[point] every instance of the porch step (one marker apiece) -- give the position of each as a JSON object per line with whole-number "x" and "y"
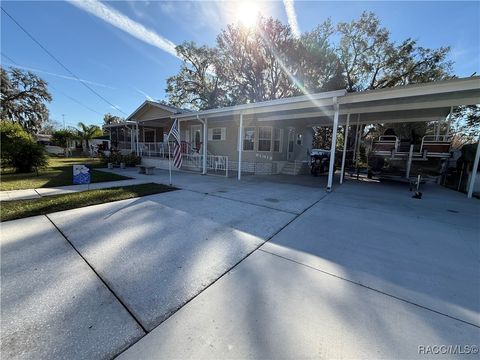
{"x": 291, "y": 168}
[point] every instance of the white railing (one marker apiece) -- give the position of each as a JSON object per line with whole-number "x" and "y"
{"x": 156, "y": 149}
{"x": 214, "y": 162}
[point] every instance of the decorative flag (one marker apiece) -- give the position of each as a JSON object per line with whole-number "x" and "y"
{"x": 177, "y": 151}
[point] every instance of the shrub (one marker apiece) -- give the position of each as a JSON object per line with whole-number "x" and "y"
{"x": 19, "y": 150}
{"x": 132, "y": 159}
{"x": 117, "y": 158}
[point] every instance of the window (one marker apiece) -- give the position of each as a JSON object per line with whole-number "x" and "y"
{"x": 299, "y": 139}
{"x": 148, "y": 135}
{"x": 264, "y": 138}
{"x": 248, "y": 138}
{"x": 217, "y": 134}
{"x": 277, "y": 139}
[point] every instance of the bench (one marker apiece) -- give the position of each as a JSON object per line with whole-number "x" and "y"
{"x": 147, "y": 170}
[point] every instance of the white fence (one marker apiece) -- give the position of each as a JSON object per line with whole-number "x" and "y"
{"x": 216, "y": 163}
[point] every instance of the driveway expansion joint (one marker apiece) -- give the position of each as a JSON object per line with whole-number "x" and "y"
{"x": 372, "y": 289}
{"x": 228, "y": 271}
{"x": 100, "y": 278}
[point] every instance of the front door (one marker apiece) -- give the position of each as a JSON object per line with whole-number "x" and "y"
{"x": 196, "y": 137}
{"x": 291, "y": 144}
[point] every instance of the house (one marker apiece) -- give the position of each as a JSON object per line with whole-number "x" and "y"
{"x": 274, "y": 137}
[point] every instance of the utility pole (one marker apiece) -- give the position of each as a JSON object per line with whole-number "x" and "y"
{"x": 64, "y": 126}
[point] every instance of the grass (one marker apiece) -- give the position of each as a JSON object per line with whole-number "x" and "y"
{"x": 18, "y": 209}
{"x": 58, "y": 173}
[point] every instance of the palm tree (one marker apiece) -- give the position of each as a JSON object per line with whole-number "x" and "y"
{"x": 86, "y": 133}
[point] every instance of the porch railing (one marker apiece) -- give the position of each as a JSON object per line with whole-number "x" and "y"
{"x": 217, "y": 163}
{"x": 156, "y": 149}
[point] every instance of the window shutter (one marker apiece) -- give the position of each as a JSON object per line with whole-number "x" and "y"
{"x": 210, "y": 134}
{"x": 224, "y": 133}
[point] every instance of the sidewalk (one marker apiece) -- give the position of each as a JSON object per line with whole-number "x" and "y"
{"x": 42, "y": 192}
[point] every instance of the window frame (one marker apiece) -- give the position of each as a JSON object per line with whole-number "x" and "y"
{"x": 279, "y": 140}
{"x": 265, "y": 139}
{"x": 222, "y": 133}
{"x": 254, "y": 138}
{"x": 219, "y": 134}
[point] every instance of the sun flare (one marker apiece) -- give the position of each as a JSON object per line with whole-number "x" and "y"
{"x": 247, "y": 12}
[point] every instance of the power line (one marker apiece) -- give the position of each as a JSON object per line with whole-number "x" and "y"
{"x": 60, "y": 63}
{"x": 58, "y": 90}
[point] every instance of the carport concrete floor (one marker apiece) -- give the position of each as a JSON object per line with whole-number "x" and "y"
{"x": 258, "y": 269}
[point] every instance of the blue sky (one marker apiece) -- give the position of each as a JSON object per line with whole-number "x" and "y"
{"x": 130, "y": 60}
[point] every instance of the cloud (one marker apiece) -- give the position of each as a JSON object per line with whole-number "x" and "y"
{"x": 292, "y": 17}
{"x": 148, "y": 97}
{"x": 124, "y": 23}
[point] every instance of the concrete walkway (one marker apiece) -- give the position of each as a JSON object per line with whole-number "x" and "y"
{"x": 41, "y": 192}
{"x": 256, "y": 269}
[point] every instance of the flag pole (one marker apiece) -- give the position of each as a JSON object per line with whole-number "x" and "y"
{"x": 169, "y": 163}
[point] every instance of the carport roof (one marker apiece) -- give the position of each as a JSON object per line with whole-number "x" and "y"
{"x": 420, "y": 102}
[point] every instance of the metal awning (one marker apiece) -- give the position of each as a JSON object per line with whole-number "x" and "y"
{"x": 409, "y": 103}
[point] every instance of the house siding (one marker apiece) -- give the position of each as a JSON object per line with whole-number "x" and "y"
{"x": 253, "y": 161}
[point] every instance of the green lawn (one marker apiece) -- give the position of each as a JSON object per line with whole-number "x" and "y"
{"x": 58, "y": 173}
{"x": 18, "y": 209}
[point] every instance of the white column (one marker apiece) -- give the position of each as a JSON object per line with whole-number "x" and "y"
{"x": 471, "y": 185}
{"x": 331, "y": 168}
{"x": 205, "y": 141}
{"x": 240, "y": 146}
{"x": 132, "y": 138}
{"x": 449, "y": 120}
{"x": 409, "y": 162}
{"x": 356, "y": 138}
{"x": 137, "y": 131}
{"x": 344, "y": 148}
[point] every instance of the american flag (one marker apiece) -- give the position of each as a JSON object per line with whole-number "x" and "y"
{"x": 177, "y": 152}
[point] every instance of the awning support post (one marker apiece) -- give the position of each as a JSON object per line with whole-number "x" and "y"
{"x": 473, "y": 177}
{"x": 356, "y": 139}
{"x": 240, "y": 146}
{"x": 409, "y": 161}
{"x": 344, "y": 148}
{"x": 449, "y": 120}
{"x": 132, "y": 139}
{"x": 137, "y": 133}
{"x": 205, "y": 141}
{"x": 331, "y": 167}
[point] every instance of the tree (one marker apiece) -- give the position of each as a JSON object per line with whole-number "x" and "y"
{"x": 63, "y": 138}
{"x": 19, "y": 150}
{"x": 319, "y": 68}
{"x": 109, "y": 119}
{"x": 85, "y": 133}
{"x": 23, "y": 97}
{"x": 465, "y": 125}
{"x": 49, "y": 127}
{"x": 371, "y": 60}
{"x": 196, "y": 85}
{"x": 257, "y": 63}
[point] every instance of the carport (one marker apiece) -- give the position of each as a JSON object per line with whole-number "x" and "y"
{"x": 428, "y": 102}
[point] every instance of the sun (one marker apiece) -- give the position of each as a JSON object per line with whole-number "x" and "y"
{"x": 247, "y": 12}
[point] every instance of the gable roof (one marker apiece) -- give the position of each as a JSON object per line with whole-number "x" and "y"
{"x": 147, "y": 103}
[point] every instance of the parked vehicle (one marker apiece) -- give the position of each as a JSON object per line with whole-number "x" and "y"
{"x": 319, "y": 161}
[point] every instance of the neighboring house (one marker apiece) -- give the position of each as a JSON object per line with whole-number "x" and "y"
{"x": 275, "y": 136}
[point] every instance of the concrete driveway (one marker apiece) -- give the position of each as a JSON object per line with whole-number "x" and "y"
{"x": 256, "y": 269}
